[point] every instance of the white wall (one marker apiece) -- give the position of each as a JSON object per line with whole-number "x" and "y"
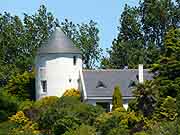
{"x": 59, "y": 69}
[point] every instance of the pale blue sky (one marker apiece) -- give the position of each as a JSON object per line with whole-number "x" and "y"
{"x": 105, "y": 12}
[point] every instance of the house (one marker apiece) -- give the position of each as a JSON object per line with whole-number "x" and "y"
{"x": 58, "y": 67}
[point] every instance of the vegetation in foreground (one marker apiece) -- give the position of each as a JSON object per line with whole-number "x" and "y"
{"x": 142, "y": 32}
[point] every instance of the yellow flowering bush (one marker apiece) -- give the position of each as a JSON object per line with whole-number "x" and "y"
{"x": 19, "y": 118}
{"x": 24, "y": 125}
{"x": 72, "y": 92}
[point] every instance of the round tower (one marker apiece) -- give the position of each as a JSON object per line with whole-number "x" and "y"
{"x": 58, "y": 63}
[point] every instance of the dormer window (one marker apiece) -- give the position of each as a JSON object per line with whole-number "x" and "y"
{"x": 132, "y": 84}
{"x": 74, "y": 60}
{"x": 100, "y": 84}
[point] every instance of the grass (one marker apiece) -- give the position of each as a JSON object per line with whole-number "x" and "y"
{"x": 4, "y": 127}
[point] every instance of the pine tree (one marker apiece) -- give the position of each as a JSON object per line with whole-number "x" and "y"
{"x": 117, "y": 98}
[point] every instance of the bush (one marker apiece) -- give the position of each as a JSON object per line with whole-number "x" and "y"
{"x": 72, "y": 92}
{"x": 117, "y": 98}
{"x": 22, "y": 86}
{"x": 25, "y": 105}
{"x": 141, "y": 133}
{"x": 46, "y": 102}
{"x": 119, "y": 131}
{"x": 23, "y": 125}
{"x": 67, "y": 113}
{"x": 117, "y": 121}
{"x": 82, "y": 130}
{"x": 65, "y": 124}
{"x": 167, "y": 109}
{"x": 8, "y": 106}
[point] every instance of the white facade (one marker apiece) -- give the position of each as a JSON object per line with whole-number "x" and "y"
{"x": 58, "y": 67}
{"x": 60, "y": 71}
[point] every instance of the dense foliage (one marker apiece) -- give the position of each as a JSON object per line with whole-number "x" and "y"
{"x": 149, "y": 30}
{"x": 85, "y": 37}
{"x": 141, "y": 33}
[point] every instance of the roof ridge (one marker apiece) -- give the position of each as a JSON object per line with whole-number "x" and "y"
{"x": 109, "y": 70}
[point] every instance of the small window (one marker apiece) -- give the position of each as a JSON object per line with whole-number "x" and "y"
{"x": 70, "y": 80}
{"x": 132, "y": 84}
{"x": 44, "y": 85}
{"x": 74, "y": 60}
{"x": 100, "y": 84}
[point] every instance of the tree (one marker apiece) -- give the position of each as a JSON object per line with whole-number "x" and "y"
{"x": 22, "y": 86}
{"x": 117, "y": 98}
{"x": 85, "y": 37}
{"x": 145, "y": 101}
{"x": 19, "y": 40}
{"x": 141, "y": 33}
{"x": 167, "y": 68}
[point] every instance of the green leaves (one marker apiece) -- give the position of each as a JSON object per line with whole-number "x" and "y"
{"x": 19, "y": 40}
{"x": 141, "y": 34}
{"x": 86, "y": 38}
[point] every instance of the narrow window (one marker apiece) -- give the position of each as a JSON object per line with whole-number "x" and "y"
{"x": 43, "y": 79}
{"x": 44, "y": 85}
{"x": 74, "y": 60}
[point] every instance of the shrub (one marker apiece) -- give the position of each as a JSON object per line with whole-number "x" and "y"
{"x": 65, "y": 124}
{"x": 25, "y": 105}
{"x": 141, "y": 133}
{"x": 82, "y": 130}
{"x": 8, "y": 106}
{"x": 68, "y": 113}
{"x": 119, "y": 131}
{"x": 23, "y": 125}
{"x": 117, "y": 121}
{"x": 72, "y": 92}
{"x": 22, "y": 86}
{"x": 167, "y": 109}
{"x": 46, "y": 102}
{"x": 117, "y": 98}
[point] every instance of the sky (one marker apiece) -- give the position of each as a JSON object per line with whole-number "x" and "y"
{"x": 105, "y": 12}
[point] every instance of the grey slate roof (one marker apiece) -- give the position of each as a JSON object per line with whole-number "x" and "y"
{"x": 111, "y": 78}
{"x": 58, "y": 43}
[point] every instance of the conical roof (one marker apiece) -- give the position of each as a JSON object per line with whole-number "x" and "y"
{"x": 58, "y": 43}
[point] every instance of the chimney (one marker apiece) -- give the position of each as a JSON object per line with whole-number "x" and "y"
{"x": 141, "y": 79}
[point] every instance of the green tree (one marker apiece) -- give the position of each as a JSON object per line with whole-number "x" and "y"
{"x": 85, "y": 36}
{"x": 117, "y": 98}
{"x": 22, "y": 86}
{"x": 145, "y": 100}
{"x": 168, "y": 66}
{"x": 19, "y": 40}
{"x": 141, "y": 33}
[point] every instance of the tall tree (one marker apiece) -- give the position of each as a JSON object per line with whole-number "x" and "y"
{"x": 141, "y": 33}
{"x": 85, "y": 37}
{"x": 20, "y": 39}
